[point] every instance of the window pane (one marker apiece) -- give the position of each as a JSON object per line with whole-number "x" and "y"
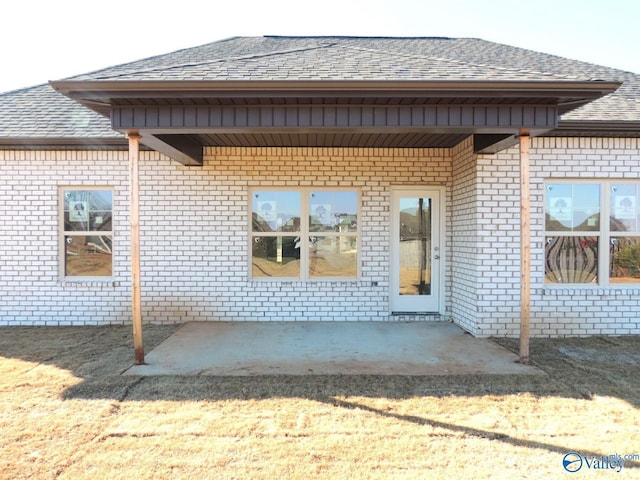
{"x": 625, "y": 260}
{"x": 88, "y": 256}
{"x": 100, "y": 221}
{"x": 572, "y": 207}
{"x": 275, "y": 211}
{"x": 100, "y": 200}
{"x": 276, "y": 257}
{"x": 415, "y": 246}
{"x": 333, "y": 211}
{"x": 87, "y": 210}
{"x": 76, "y": 210}
{"x": 625, "y": 214}
{"x": 333, "y": 256}
{"x": 100, "y": 206}
{"x": 571, "y": 259}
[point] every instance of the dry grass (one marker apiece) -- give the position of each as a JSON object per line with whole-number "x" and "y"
{"x": 65, "y": 412}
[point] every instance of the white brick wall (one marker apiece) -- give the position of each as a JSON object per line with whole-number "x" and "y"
{"x": 465, "y": 261}
{"x": 555, "y": 311}
{"x": 30, "y": 291}
{"x": 194, "y": 236}
{"x": 209, "y": 281}
{"x": 194, "y": 224}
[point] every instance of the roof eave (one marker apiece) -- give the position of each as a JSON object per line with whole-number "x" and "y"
{"x": 599, "y": 126}
{"x": 122, "y": 89}
{"x": 57, "y": 143}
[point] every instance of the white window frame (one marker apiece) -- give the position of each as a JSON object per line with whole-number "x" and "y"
{"x": 604, "y": 234}
{"x": 305, "y": 234}
{"x": 62, "y": 233}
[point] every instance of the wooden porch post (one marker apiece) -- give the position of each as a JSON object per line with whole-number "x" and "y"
{"x": 525, "y": 247}
{"x": 134, "y": 214}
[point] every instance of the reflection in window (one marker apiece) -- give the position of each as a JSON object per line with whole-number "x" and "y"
{"x": 87, "y": 239}
{"x": 333, "y": 257}
{"x": 275, "y": 211}
{"x": 571, "y": 256}
{"x": 88, "y": 256}
{"x": 304, "y": 233}
{"x": 415, "y": 246}
{"x": 276, "y": 257}
{"x": 572, "y": 207}
{"x": 625, "y": 213}
{"x": 625, "y": 260}
{"x": 570, "y": 259}
{"x": 333, "y": 211}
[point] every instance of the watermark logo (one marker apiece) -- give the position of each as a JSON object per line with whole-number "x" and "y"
{"x": 572, "y": 462}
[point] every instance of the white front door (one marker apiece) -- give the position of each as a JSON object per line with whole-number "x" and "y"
{"x": 416, "y": 256}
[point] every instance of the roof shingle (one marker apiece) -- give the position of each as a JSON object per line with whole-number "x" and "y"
{"x": 324, "y": 59}
{"x": 41, "y": 112}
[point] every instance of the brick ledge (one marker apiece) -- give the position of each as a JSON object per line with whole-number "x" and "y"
{"x": 87, "y": 283}
{"x": 609, "y": 291}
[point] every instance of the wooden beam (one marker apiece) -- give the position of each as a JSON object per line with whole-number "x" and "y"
{"x": 525, "y": 247}
{"x": 134, "y": 215}
{"x": 493, "y": 143}
{"x": 190, "y": 156}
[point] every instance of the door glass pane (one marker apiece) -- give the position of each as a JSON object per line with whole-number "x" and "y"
{"x": 415, "y": 246}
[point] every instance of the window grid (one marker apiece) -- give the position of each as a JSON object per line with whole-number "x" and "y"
{"x": 93, "y": 257}
{"x": 605, "y": 237}
{"x": 304, "y": 236}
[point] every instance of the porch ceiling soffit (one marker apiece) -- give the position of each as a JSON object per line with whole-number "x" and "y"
{"x": 179, "y": 118}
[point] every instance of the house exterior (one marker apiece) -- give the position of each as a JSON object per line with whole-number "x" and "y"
{"x": 326, "y": 179}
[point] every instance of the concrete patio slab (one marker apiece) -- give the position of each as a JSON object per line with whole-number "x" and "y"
{"x": 327, "y": 348}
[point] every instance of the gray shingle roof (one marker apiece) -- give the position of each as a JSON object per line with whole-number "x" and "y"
{"x": 40, "y": 112}
{"x": 265, "y": 59}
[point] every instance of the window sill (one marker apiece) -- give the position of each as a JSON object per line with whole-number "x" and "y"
{"x": 588, "y": 290}
{"x": 87, "y": 282}
{"x": 311, "y": 281}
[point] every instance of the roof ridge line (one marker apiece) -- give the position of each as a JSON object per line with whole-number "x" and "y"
{"x": 461, "y": 62}
{"x": 218, "y": 60}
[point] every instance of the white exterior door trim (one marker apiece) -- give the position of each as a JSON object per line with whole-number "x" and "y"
{"x": 434, "y": 303}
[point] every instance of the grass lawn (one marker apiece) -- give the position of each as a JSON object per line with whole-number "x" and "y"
{"x": 67, "y": 413}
